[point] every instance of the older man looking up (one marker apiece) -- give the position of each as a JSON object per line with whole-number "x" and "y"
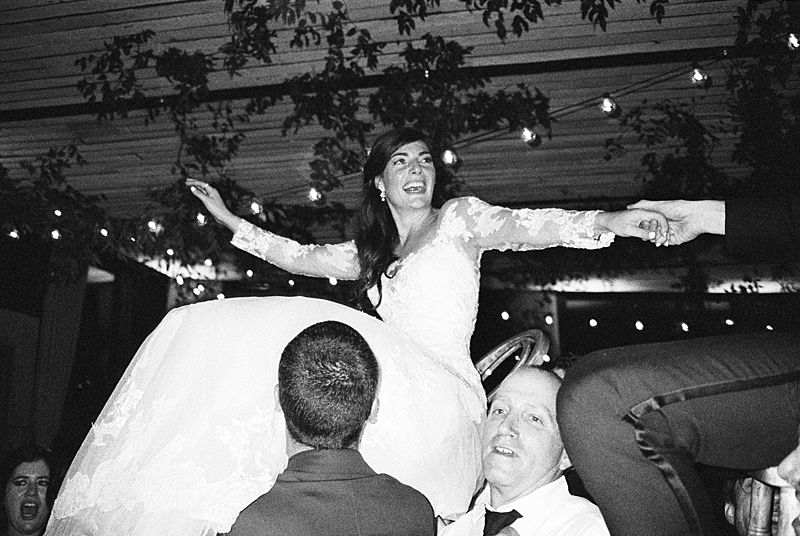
{"x": 524, "y": 462}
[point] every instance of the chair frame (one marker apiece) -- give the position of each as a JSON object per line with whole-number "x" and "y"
{"x": 530, "y": 346}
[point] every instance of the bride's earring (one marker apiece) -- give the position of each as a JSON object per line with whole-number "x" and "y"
{"x": 383, "y": 195}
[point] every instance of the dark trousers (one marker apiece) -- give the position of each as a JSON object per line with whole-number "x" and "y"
{"x": 636, "y": 419}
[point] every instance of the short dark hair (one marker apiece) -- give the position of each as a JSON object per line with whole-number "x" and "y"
{"x": 327, "y": 382}
{"x": 23, "y": 454}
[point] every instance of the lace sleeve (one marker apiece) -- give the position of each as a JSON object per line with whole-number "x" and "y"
{"x": 491, "y": 227}
{"x": 331, "y": 260}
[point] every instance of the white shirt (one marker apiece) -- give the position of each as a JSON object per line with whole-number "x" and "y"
{"x": 547, "y": 511}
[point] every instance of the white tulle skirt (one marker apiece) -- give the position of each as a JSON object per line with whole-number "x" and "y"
{"x": 191, "y": 435}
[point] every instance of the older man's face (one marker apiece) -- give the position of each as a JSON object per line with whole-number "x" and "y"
{"x": 522, "y": 448}
{"x": 789, "y": 470}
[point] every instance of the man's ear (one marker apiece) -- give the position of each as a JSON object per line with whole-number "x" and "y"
{"x": 277, "y": 399}
{"x": 564, "y": 463}
{"x": 373, "y": 413}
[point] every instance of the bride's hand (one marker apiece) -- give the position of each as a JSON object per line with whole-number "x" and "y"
{"x": 213, "y": 203}
{"x": 688, "y": 219}
{"x": 644, "y": 224}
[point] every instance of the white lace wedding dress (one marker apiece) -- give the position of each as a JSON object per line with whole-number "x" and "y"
{"x": 191, "y": 435}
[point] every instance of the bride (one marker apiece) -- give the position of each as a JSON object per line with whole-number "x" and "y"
{"x": 191, "y": 436}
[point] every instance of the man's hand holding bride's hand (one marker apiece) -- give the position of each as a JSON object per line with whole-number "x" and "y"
{"x": 687, "y": 219}
{"x": 637, "y": 223}
{"x": 213, "y": 203}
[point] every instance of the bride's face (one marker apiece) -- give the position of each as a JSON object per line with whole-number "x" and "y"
{"x": 409, "y": 176}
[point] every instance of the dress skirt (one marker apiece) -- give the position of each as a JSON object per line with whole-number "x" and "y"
{"x": 191, "y": 435}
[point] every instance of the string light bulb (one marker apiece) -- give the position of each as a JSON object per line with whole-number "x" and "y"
{"x": 504, "y": 315}
{"x": 201, "y": 219}
{"x": 208, "y": 262}
{"x": 449, "y": 157}
{"x": 316, "y": 196}
{"x": 610, "y": 107}
{"x": 792, "y": 41}
{"x": 530, "y": 137}
{"x": 104, "y": 232}
{"x": 170, "y": 252}
{"x": 179, "y": 280}
{"x": 155, "y": 227}
{"x": 699, "y": 77}
{"x": 256, "y": 207}
{"x": 14, "y": 234}
{"x": 57, "y": 213}
{"x": 56, "y": 234}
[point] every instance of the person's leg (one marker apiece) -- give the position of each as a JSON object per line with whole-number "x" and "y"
{"x": 636, "y": 419}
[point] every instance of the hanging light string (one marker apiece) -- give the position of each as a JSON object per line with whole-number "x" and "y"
{"x": 564, "y": 111}
{"x": 590, "y": 102}
{"x": 256, "y": 203}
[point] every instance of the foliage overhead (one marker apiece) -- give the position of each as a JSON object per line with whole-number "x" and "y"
{"x": 430, "y": 90}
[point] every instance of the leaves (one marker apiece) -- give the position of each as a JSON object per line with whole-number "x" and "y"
{"x": 112, "y": 78}
{"x": 432, "y": 90}
{"x": 45, "y": 206}
{"x": 596, "y": 11}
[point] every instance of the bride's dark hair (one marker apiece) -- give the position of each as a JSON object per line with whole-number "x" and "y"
{"x": 375, "y": 231}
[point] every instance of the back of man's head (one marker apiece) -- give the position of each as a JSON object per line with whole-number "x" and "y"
{"x": 327, "y": 382}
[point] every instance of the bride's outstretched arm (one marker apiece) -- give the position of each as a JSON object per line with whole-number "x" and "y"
{"x": 494, "y": 227}
{"x": 332, "y": 260}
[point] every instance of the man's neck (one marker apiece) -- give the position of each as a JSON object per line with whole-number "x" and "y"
{"x": 499, "y": 497}
{"x": 295, "y": 447}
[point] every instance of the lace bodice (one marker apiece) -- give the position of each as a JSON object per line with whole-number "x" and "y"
{"x": 432, "y": 294}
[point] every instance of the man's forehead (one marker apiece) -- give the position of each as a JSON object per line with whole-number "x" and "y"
{"x": 530, "y": 379}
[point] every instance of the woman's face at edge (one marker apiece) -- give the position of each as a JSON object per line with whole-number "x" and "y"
{"x": 409, "y": 176}
{"x": 25, "y": 498}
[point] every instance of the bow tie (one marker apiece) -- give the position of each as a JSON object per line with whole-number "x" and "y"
{"x": 497, "y": 521}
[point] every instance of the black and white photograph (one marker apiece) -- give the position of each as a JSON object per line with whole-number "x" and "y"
{"x": 400, "y": 267}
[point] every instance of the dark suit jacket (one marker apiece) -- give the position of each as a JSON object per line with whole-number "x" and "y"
{"x": 768, "y": 228}
{"x": 335, "y": 493}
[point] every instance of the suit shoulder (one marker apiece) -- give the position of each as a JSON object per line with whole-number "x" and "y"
{"x": 404, "y": 495}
